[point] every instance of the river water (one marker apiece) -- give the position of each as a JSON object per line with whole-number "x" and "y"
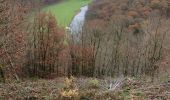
{"x": 78, "y": 21}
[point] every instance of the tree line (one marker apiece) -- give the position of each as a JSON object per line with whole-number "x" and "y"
{"x": 40, "y": 48}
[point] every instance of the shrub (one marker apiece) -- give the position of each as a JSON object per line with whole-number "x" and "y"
{"x": 70, "y": 91}
{"x": 133, "y": 14}
{"x": 70, "y": 82}
{"x": 12, "y": 35}
{"x": 93, "y": 83}
{"x": 155, "y": 4}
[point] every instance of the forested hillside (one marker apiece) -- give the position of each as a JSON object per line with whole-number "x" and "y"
{"x": 84, "y": 49}
{"x": 130, "y": 36}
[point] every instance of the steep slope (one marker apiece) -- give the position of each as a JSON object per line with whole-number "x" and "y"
{"x": 130, "y": 36}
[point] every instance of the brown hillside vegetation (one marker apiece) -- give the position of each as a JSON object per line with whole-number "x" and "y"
{"x": 12, "y": 44}
{"x": 134, "y": 39}
{"x": 122, "y": 52}
{"x": 125, "y": 37}
{"x": 84, "y": 89}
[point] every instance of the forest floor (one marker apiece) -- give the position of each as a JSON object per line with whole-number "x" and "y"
{"x": 65, "y": 10}
{"x": 85, "y": 89}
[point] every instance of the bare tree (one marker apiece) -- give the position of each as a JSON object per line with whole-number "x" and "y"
{"x": 13, "y": 15}
{"x": 45, "y": 43}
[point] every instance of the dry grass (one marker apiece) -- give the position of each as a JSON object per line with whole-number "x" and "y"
{"x": 51, "y": 89}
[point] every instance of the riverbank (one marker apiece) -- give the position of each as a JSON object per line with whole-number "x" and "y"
{"x": 66, "y": 10}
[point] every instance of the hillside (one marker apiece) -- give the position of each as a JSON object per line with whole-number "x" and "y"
{"x": 130, "y": 36}
{"x": 84, "y": 49}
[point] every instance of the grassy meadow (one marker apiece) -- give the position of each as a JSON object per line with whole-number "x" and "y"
{"x": 65, "y": 10}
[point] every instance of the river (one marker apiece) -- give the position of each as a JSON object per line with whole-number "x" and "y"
{"x": 78, "y": 21}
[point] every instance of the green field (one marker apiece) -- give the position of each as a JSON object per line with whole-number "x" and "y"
{"x": 65, "y": 10}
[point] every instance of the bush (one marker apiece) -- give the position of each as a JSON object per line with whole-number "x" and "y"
{"x": 69, "y": 94}
{"x": 155, "y": 4}
{"x": 93, "y": 83}
{"x": 70, "y": 91}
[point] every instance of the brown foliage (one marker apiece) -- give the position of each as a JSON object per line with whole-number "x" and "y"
{"x": 120, "y": 51}
{"x": 133, "y": 14}
{"x": 82, "y": 60}
{"x": 12, "y": 44}
{"x": 45, "y": 43}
